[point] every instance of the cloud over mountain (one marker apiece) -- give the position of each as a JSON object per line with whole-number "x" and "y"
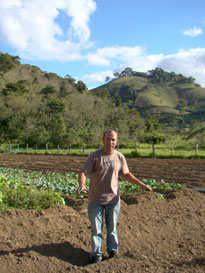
{"x": 30, "y": 27}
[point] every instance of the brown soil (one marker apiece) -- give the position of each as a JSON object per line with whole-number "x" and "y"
{"x": 189, "y": 172}
{"x": 156, "y": 234}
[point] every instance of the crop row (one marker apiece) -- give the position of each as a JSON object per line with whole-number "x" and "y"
{"x": 37, "y": 190}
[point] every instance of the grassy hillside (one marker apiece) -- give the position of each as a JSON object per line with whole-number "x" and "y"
{"x": 161, "y": 99}
{"x": 32, "y": 77}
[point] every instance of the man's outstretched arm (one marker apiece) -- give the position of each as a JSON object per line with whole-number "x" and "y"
{"x": 132, "y": 179}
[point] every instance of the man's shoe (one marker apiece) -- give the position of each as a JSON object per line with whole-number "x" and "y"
{"x": 95, "y": 260}
{"x": 113, "y": 254}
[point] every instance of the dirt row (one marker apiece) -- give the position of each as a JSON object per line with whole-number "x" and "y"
{"x": 188, "y": 172}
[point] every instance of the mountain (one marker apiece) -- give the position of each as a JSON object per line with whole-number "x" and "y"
{"x": 173, "y": 96}
{"x": 39, "y": 108}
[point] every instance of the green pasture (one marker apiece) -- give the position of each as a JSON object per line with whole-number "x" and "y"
{"x": 165, "y": 151}
{"x": 137, "y": 150}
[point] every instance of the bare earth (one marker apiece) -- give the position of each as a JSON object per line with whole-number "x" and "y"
{"x": 156, "y": 234}
{"x": 189, "y": 172}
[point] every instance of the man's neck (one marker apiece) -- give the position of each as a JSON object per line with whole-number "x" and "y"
{"x": 108, "y": 152}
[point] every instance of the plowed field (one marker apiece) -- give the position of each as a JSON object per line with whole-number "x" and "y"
{"x": 157, "y": 234}
{"x": 189, "y": 172}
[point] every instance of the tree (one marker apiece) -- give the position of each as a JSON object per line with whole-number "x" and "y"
{"x": 35, "y": 133}
{"x": 49, "y": 89}
{"x": 63, "y": 89}
{"x": 107, "y": 79}
{"x": 127, "y": 72}
{"x": 81, "y": 86}
{"x": 116, "y": 74}
{"x": 103, "y": 93}
{"x": 70, "y": 79}
{"x": 16, "y": 89}
{"x": 55, "y": 106}
{"x": 135, "y": 124}
{"x": 158, "y": 75}
{"x": 118, "y": 101}
{"x": 151, "y": 123}
{"x": 7, "y": 62}
{"x": 154, "y": 138}
{"x": 57, "y": 124}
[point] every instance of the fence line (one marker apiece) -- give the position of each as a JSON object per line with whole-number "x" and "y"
{"x": 137, "y": 149}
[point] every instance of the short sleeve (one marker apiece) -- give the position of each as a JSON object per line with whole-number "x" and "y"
{"x": 124, "y": 167}
{"x": 88, "y": 167}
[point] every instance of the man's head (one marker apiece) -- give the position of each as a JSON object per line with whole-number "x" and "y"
{"x": 109, "y": 141}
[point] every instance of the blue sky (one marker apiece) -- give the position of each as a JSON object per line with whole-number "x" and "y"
{"x": 90, "y": 40}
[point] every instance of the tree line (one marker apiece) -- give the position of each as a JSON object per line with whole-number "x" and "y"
{"x": 75, "y": 118}
{"x": 157, "y": 75}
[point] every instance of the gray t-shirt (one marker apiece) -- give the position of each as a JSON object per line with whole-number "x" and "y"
{"x": 104, "y": 170}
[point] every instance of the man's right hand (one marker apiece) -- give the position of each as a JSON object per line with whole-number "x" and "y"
{"x": 82, "y": 188}
{"x": 81, "y": 182}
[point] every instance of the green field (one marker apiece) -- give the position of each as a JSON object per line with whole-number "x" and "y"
{"x": 139, "y": 150}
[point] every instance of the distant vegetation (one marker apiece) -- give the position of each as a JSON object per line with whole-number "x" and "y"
{"x": 157, "y": 75}
{"x": 175, "y": 100}
{"x": 38, "y": 108}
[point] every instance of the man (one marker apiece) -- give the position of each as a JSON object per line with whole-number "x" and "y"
{"x": 104, "y": 166}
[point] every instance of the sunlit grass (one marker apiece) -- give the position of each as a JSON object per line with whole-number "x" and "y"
{"x": 139, "y": 150}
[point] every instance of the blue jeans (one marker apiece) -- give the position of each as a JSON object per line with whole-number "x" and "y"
{"x": 96, "y": 213}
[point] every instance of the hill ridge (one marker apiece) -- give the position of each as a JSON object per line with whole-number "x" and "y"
{"x": 157, "y": 97}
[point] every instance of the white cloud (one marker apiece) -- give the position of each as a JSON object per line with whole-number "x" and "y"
{"x": 80, "y": 11}
{"x": 188, "y": 63}
{"x": 103, "y": 56}
{"x": 134, "y": 57}
{"x": 98, "y": 76}
{"x": 145, "y": 63}
{"x": 192, "y": 32}
{"x": 31, "y": 29}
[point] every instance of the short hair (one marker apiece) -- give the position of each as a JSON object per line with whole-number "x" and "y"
{"x": 109, "y": 131}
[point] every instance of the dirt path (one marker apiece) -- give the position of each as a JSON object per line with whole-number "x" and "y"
{"x": 190, "y": 172}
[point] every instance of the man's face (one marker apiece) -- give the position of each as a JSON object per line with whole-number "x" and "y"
{"x": 109, "y": 142}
